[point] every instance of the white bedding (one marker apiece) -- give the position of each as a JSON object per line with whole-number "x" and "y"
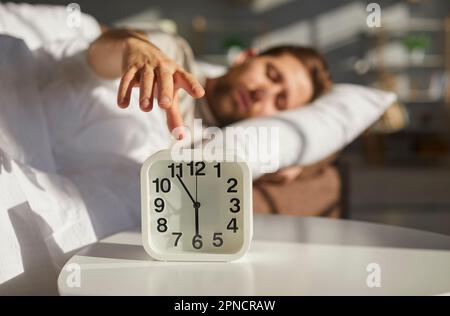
{"x": 69, "y": 158}
{"x": 41, "y": 213}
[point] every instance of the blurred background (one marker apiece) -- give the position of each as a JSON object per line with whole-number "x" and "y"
{"x": 398, "y": 172}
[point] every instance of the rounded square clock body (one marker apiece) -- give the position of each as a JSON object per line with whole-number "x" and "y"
{"x": 194, "y": 209}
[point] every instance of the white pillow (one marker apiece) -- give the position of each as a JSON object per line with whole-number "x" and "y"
{"x": 313, "y": 132}
{"x": 40, "y": 24}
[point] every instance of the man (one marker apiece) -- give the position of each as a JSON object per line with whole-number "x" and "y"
{"x": 278, "y": 79}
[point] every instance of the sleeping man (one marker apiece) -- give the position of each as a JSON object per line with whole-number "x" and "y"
{"x": 70, "y": 157}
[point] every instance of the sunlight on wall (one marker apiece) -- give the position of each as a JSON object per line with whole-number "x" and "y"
{"x": 332, "y": 29}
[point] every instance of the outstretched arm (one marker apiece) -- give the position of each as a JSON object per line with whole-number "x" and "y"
{"x": 128, "y": 54}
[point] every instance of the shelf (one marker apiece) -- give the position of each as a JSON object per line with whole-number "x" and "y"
{"x": 431, "y": 61}
{"x": 420, "y": 96}
{"x": 421, "y": 100}
{"x": 415, "y": 25}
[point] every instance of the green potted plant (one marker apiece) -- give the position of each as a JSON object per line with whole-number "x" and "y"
{"x": 417, "y": 46}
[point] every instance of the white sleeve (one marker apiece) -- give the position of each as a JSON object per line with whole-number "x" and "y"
{"x": 174, "y": 47}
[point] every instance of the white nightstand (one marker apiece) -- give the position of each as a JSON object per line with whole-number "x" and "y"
{"x": 289, "y": 256}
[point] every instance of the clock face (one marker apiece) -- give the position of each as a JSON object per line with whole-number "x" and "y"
{"x": 197, "y": 207}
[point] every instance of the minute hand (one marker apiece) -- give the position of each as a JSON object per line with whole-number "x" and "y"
{"x": 186, "y": 189}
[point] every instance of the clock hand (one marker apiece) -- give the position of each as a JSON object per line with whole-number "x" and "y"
{"x": 187, "y": 191}
{"x": 196, "y": 206}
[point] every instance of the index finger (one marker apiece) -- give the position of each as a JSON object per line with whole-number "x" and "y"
{"x": 174, "y": 118}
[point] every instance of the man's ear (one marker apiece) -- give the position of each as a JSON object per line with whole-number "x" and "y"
{"x": 244, "y": 55}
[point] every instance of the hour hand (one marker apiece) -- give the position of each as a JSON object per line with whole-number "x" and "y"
{"x": 187, "y": 191}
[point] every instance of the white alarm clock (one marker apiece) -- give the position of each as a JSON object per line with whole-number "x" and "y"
{"x": 194, "y": 209}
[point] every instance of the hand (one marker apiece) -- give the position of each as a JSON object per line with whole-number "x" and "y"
{"x": 283, "y": 176}
{"x": 147, "y": 67}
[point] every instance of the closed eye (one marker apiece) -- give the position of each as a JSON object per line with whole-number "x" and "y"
{"x": 273, "y": 74}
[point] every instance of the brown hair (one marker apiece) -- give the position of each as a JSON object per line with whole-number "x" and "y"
{"x": 314, "y": 62}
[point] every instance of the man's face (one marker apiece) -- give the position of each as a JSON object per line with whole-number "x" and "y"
{"x": 260, "y": 86}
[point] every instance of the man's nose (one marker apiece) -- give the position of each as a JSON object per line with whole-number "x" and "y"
{"x": 258, "y": 94}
